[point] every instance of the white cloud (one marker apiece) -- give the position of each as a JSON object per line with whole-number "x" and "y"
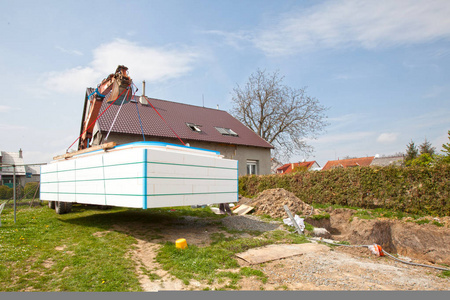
{"x": 11, "y": 127}
{"x": 362, "y": 23}
{"x": 67, "y": 51}
{"x": 73, "y": 80}
{"x": 5, "y": 108}
{"x": 144, "y": 63}
{"x": 435, "y": 91}
{"x": 387, "y": 137}
{"x": 341, "y": 137}
{"x": 234, "y": 39}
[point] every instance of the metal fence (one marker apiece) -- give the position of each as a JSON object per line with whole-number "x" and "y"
{"x": 15, "y": 184}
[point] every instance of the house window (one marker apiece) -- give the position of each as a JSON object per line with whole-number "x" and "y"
{"x": 7, "y": 180}
{"x": 226, "y": 131}
{"x": 252, "y": 167}
{"x": 194, "y": 127}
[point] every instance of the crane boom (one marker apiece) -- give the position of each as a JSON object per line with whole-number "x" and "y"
{"x": 116, "y": 89}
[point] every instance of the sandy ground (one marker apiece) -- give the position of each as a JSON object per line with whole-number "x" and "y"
{"x": 337, "y": 268}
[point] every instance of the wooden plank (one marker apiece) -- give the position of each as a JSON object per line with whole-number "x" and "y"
{"x": 243, "y": 209}
{"x": 95, "y": 148}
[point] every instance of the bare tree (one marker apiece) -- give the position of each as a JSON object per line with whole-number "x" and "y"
{"x": 281, "y": 115}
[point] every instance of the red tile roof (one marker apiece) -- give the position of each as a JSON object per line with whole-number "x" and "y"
{"x": 351, "y": 162}
{"x": 177, "y": 115}
{"x": 288, "y": 168}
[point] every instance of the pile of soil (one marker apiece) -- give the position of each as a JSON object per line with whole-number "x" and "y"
{"x": 271, "y": 202}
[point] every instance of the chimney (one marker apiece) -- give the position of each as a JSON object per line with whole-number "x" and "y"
{"x": 217, "y": 106}
{"x": 143, "y": 98}
{"x": 292, "y": 166}
{"x": 20, "y": 153}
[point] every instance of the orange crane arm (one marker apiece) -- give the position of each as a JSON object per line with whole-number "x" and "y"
{"x": 113, "y": 87}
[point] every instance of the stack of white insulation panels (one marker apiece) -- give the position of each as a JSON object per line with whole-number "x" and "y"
{"x": 142, "y": 175}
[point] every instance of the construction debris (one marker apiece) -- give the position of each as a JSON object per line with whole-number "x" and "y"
{"x": 321, "y": 232}
{"x": 243, "y": 209}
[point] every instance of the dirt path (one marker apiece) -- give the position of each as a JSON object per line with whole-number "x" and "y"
{"x": 337, "y": 268}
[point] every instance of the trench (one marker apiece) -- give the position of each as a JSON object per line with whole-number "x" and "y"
{"x": 425, "y": 242}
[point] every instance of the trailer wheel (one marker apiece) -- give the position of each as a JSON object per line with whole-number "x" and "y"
{"x": 104, "y": 207}
{"x": 63, "y": 207}
{"x": 51, "y": 204}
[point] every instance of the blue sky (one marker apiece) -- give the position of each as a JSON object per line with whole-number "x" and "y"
{"x": 382, "y": 67}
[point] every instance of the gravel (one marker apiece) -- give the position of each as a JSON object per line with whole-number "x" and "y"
{"x": 249, "y": 222}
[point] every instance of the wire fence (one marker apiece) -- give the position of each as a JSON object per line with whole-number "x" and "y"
{"x": 15, "y": 195}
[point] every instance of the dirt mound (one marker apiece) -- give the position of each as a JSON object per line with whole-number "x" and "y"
{"x": 271, "y": 202}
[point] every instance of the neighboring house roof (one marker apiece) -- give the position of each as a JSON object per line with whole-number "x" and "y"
{"x": 288, "y": 168}
{"x": 387, "y": 161}
{"x": 275, "y": 164}
{"x": 33, "y": 169}
{"x": 12, "y": 158}
{"x": 188, "y": 121}
{"x": 347, "y": 163}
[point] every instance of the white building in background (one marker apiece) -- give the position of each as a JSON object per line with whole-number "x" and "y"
{"x": 23, "y": 173}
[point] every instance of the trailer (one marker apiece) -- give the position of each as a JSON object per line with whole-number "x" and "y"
{"x": 139, "y": 175}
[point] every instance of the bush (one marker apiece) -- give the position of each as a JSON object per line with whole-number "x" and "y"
{"x": 415, "y": 189}
{"x": 4, "y": 192}
{"x": 30, "y": 189}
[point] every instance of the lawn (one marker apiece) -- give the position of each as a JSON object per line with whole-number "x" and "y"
{"x": 80, "y": 251}
{"x": 44, "y": 251}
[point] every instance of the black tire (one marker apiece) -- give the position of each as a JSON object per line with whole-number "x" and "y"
{"x": 104, "y": 207}
{"x": 63, "y": 207}
{"x": 51, "y": 204}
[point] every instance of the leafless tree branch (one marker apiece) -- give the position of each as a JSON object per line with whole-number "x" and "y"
{"x": 283, "y": 116}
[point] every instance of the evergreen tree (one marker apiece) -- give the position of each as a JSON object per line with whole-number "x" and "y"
{"x": 446, "y": 147}
{"x": 411, "y": 152}
{"x": 427, "y": 148}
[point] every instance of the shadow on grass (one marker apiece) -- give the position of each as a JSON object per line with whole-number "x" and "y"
{"x": 104, "y": 219}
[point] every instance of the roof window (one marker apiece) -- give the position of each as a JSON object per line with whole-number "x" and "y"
{"x": 194, "y": 127}
{"x": 226, "y": 131}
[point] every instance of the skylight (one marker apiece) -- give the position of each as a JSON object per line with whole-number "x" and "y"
{"x": 226, "y": 131}
{"x": 194, "y": 127}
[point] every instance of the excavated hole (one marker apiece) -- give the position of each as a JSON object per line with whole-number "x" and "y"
{"x": 424, "y": 242}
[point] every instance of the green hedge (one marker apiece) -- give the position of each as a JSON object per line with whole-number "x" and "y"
{"x": 414, "y": 190}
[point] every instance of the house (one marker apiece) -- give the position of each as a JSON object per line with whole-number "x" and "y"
{"x": 348, "y": 163}
{"x": 308, "y": 165}
{"x": 23, "y": 173}
{"x": 388, "y": 161}
{"x": 275, "y": 165}
{"x": 197, "y": 126}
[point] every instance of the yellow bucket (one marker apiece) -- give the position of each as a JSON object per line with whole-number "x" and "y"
{"x": 181, "y": 244}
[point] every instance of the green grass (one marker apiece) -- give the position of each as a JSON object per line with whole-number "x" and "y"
{"x": 321, "y": 216}
{"x": 44, "y": 251}
{"x": 206, "y": 263}
{"x": 436, "y": 223}
{"x": 444, "y": 274}
{"x": 423, "y": 221}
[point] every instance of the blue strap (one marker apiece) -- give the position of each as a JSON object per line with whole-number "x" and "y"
{"x": 98, "y": 93}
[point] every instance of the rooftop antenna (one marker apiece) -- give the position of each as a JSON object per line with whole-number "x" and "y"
{"x": 203, "y": 98}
